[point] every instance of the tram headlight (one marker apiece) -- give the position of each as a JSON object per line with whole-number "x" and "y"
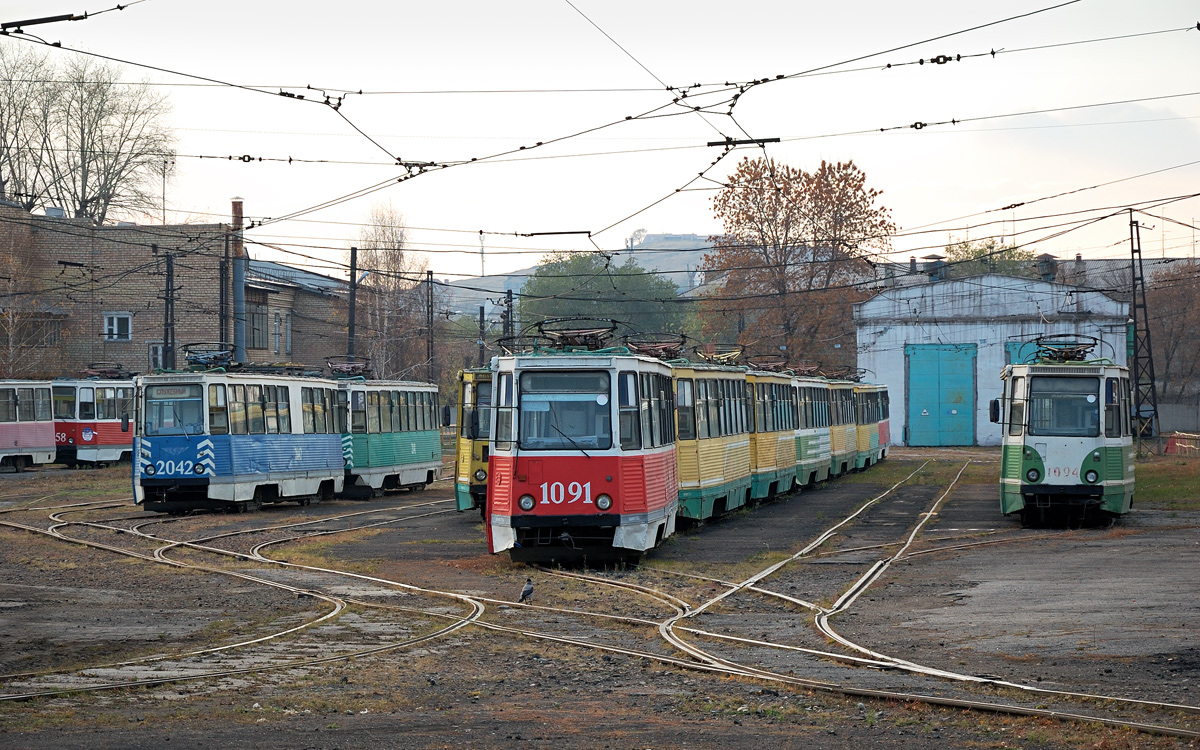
{"x": 70, "y": 441}
{"x": 1033, "y": 475}
{"x": 1092, "y": 476}
{"x": 604, "y": 502}
{"x": 149, "y": 471}
{"x": 199, "y": 469}
{"x": 526, "y": 502}
{"x": 480, "y": 475}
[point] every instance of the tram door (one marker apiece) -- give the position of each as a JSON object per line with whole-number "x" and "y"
{"x": 941, "y": 394}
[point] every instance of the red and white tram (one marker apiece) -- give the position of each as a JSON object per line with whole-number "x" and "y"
{"x": 26, "y": 423}
{"x": 88, "y": 413}
{"x": 563, "y": 483}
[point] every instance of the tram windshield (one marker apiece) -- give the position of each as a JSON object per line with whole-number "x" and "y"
{"x": 565, "y": 410}
{"x": 1064, "y": 406}
{"x": 174, "y": 409}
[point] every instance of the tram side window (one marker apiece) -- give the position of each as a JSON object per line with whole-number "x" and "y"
{"x": 321, "y": 405}
{"x": 685, "y": 409}
{"x": 1113, "y": 408}
{"x": 237, "y": 409}
{"x": 42, "y": 408}
{"x": 339, "y": 411}
{"x": 218, "y": 411}
{"x": 25, "y": 409}
{"x": 306, "y": 411}
{"x": 284, "y": 408}
{"x": 405, "y": 422}
{"x": 504, "y": 410}
{"x": 385, "y": 411}
{"x": 1126, "y": 413}
{"x": 87, "y": 403}
{"x": 270, "y": 410}
{"x": 701, "y": 389}
{"x": 8, "y": 405}
{"x": 644, "y": 410}
{"x": 255, "y": 422}
{"x": 373, "y": 412}
{"x": 64, "y": 402}
{"x": 714, "y": 408}
{"x": 358, "y": 412}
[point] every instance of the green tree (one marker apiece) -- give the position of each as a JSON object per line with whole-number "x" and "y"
{"x": 590, "y": 285}
{"x": 971, "y": 258}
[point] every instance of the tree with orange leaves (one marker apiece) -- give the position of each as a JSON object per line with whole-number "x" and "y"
{"x": 793, "y": 257}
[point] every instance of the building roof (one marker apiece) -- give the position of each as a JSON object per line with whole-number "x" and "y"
{"x": 278, "y": 273}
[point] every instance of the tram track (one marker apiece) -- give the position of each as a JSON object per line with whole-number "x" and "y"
{"x": 699, "y": 659}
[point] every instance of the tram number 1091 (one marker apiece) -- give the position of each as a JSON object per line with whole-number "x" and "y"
{"x": 557, "y": 492}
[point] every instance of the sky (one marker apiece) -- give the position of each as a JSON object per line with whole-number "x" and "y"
{"x": 447, "y": 82}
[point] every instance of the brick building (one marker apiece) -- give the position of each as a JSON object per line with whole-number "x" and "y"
{"x": 73, "y": 292}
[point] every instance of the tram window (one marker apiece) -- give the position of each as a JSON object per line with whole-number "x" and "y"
{"x": 270, "y": 411}
{"x": 391, "y": 418}
{"x": 42, "y": 409}
{"x": 410, "y": 412}
{"x": 1112, "y": 408}
{"x": 174, "y": 409}
{"x": 87, "y": 403}
{"x": 284, "y": 409}
{"x": 1126, "y": 413}
{"x": 306, "y": 411}
{"x": 714, "y": 408}
{"x": 426, "y": 406}
{"x": 64, "y": 402}
{"x": 25, "y": 405}
{"x": 504, "y": 411}
{"x": 1064, "y": 406}
{"x": 8, "y": 405}
{"x": 331, "y": 413}
{"x": 644, "y": 410}
{"x": 402, "y": 406}
{"x": 320, "y": 411}
{"x": 218, "y": 412}
{"x": 237, "y": 409}
{"x": 484, "y": 395}
{"x": 685, "y": 409}
{"x": 701, "y": 389}
{"x": 569, "y": 410}
{"x": 358, "y": 412}
{"x": 255, "y": 423}
{"x": 373, "y": 412}
{"x": 385, "y": 412}
{"x": 125, "y": 395}
{"x": 339, "y": 411}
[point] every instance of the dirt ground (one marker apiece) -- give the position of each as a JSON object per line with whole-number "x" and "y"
{"x": 1100, "y": 610}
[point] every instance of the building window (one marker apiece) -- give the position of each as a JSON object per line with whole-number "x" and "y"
{"x": 275, "y": 335}
{"x": 287, "y": 332}
{"x": 256, "y": 334}
{"x": 155, "y": 352}
{"x": 118, "y": 326}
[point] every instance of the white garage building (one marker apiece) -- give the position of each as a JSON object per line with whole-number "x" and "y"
{"x": 940, "y": 346}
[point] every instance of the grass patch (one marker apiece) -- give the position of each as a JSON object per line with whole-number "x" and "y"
{"x": 1168, "y": 483}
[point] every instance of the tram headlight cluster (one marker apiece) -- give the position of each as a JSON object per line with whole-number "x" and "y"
{"x": 480, "y": 475}
{"x": 1033, "y": 475}
{"x": 1092, "y": 476}
{"x": 149, "y": 471}
{"x": 526, "y": 502}
{"x": 604, "y": 502}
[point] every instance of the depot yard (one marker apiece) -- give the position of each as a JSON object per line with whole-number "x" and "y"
{"x": 1102, "y": 610}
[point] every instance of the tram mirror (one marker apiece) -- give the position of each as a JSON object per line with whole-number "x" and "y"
{"x": 446, "y": 415}
{"x": 994, "y": 410}
{"x": 125, "y": 422}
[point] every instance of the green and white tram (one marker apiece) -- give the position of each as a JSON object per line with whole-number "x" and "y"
{"x": 1067, "y": 435}
{"x": 391, "y": 439}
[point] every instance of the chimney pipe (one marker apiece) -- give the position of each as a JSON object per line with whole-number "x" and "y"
{"x": 239, "y": 285}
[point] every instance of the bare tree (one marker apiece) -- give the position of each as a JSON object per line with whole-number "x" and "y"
{"x": 26, "y": 100}
{"x": 111, "y": 141}
{"x": 75, "y": 136}
{"x": 393, "y": 298}
{"x": 31, "y": 332}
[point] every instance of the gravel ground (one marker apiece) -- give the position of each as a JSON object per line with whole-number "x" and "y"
{"x": 1100, "y": 610}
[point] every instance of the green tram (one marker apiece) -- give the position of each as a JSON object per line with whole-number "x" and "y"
{"x": 391, "y": 435}
{"x": 1067, "y": 435}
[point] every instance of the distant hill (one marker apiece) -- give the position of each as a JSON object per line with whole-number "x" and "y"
{"x": 676, "y": 256}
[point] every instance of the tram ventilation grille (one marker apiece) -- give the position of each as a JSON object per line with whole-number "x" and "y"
{"x": 1059, "y": 370}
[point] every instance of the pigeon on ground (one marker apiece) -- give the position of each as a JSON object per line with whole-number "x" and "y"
{"x": 526, "y": 592}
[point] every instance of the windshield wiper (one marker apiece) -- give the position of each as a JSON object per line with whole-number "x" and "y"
{"x": 179, "y": 419}
{"x": 568, "y": 437}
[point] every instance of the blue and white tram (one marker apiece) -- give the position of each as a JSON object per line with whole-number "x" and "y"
{"x": 234, "y": 441}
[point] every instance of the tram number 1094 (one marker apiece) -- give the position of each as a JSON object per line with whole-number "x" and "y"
{"x": 557, "y": 492}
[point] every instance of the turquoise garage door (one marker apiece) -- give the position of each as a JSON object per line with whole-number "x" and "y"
{"x": 941, "y": 394}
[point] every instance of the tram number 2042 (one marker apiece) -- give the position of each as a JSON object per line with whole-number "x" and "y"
{"x": 557, "y": 493}
{"x": 174, "y": 467}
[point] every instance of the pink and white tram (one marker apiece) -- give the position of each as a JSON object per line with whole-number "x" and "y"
{"x": 26, "y": 424}
{"x": 564, "y": 484}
